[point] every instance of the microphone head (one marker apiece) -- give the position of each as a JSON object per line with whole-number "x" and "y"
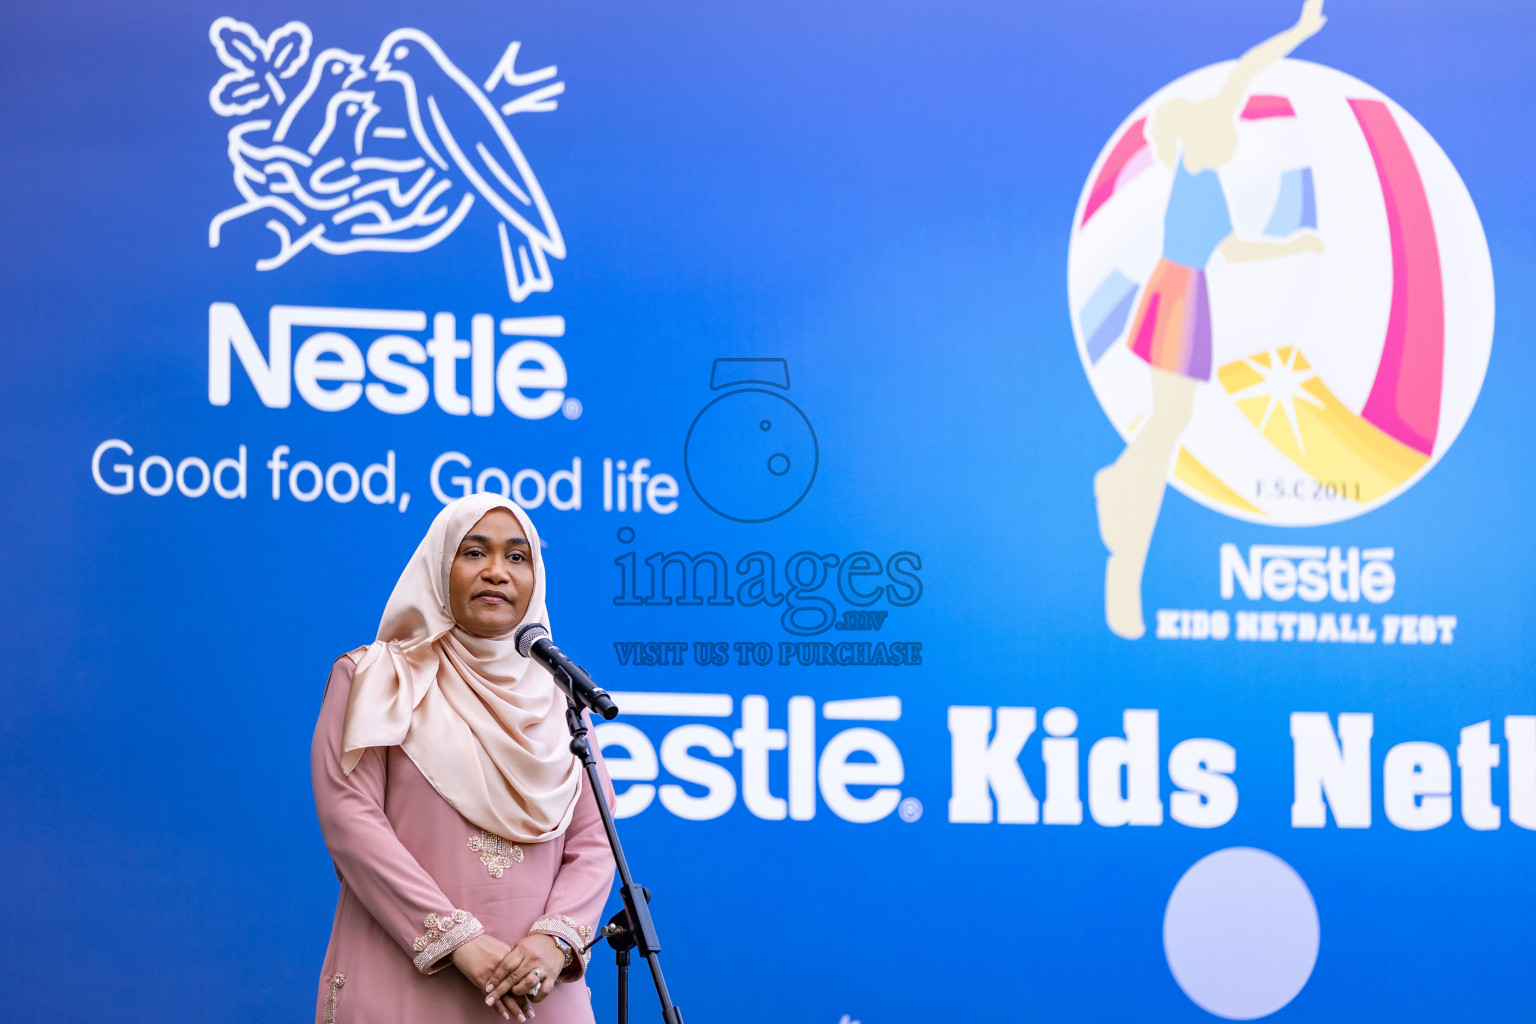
{"x": 527, "y": 635}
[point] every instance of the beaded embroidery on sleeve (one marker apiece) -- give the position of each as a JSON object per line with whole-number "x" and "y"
{"x": 445, "y": 933}
{"x": 573, "y": 932}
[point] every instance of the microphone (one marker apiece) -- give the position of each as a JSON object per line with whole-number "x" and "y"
{"x": 532, "y": 641}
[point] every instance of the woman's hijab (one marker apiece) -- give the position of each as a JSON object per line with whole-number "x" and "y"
{"x": 484, "y": 724}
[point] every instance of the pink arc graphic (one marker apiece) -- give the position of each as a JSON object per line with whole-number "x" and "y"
{"x": 1405, "y": 397}
{"x": 1262, "y": 107}
{"x": 1129, "y": 157}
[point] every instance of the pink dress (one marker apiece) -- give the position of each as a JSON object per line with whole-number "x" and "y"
{"x": 418, "y": 881}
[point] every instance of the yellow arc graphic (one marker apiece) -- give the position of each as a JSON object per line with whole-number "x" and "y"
{"x": 1297, "y": 413}
{"x": 1290, "y": 405}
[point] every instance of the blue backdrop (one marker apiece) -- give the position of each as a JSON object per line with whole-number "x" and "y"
{"x": 797, "y": 275}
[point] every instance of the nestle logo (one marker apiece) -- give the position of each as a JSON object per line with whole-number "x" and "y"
{"x": 330, "y": 367}
{"x": 1280, "y": 572}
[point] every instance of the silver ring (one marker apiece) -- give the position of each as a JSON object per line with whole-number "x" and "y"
{"x": 533, "y": 993}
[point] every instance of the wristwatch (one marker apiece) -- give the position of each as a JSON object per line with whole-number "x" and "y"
{"x": 565, "y": 947}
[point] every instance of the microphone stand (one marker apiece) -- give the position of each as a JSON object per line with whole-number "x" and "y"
{"x": 632, "y": 927}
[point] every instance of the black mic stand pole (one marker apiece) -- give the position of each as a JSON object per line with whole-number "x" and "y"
{"x": 622, "y": 940}
{"x": 637, "y": 930}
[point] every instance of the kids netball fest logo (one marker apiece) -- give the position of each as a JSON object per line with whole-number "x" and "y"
{"x": 1282, "y": 297}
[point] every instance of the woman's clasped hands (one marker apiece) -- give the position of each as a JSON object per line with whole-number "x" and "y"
{"x": 513, "y": 978}
{"x": 507, "y": 973}
{"x": 530, "y": 969}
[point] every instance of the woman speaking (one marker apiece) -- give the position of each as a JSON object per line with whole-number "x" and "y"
{"x": 450, "y": 801}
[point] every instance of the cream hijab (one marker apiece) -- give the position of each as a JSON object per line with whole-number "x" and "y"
{"x": 484, "y": 724}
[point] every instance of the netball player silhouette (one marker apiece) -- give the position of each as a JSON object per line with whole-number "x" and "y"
{"x": 1172, "y": 327}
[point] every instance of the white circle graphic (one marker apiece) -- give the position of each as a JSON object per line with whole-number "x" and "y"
{"x": 1336, "y": 371}
{"x": 1241, "y": 933}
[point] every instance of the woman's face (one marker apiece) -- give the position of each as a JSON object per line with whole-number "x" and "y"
{"x": 491, "y": 580}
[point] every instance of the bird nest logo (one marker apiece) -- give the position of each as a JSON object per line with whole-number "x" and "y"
{"x": 1282, "y": 297}
{"x": 382, "y": 154}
